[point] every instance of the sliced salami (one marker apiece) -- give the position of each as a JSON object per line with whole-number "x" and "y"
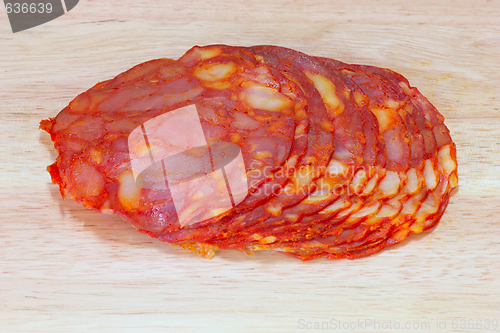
{"x": 258, "y": 148}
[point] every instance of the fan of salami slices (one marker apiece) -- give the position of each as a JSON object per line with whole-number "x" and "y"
{"x": 258, "y": 148}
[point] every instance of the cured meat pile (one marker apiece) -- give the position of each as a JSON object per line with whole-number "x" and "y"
{"x": 258, "y": 148}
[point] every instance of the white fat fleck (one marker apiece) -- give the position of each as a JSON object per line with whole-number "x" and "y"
{"x": 431, "y": 178}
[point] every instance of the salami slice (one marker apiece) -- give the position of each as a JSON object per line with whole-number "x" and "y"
{"x": 358, "y": 174}
{"x": 423, "y": 210}
{"x": 349, "y": 138}
{"x": 359, "y": 210}
{"x": 235, "y": 99}
{"x": 312, "y": 165}
{"x": 258, "y": 148}
{"x": 390, "y": 226}
{"x": 364, "y": 205}
{"x": 389, "y": 97}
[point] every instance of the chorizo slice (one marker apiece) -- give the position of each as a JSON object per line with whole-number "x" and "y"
{"x": 334, "y": 241}
{"x": 366, "y": 204}
{"x": 385, "y": 103}
{"x": 355, "y": 140}
{"x": 229, "y": 91}
{"x": 383, "y": 225}
{"x": 295, "y": 123}
{"x": 410, "y": 196}
{"x": 396, "y": 96}
{"x": 420, "y": 168}
{"x": 394, "y": 223}
{"x": 390, "y": 96}
{"x": 311, "y": 166}
{"x": 423, "y": 210}
{"x": 353, "y": 131}
{"x": 362, "y": 179}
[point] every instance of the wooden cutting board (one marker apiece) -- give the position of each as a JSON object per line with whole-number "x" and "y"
{"x": 67, "y": 269}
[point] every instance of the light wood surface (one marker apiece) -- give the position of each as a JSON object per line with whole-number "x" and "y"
{"x": 67, "y": 269}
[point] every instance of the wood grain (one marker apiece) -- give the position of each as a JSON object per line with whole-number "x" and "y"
{"x": 64, "y": 268}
